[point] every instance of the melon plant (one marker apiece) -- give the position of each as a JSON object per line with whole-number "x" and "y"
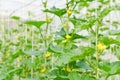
{"x": 75, "y": 42}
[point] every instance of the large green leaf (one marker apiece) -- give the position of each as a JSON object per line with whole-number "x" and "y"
{"x": 77, "y": 36}
{"x": 17, "y": 54}
{"x": 59, "y": 78}
{"x": 73, "y": 36}
{"x": 33, "y": 52}
{"x": 37, "y": 24}
{"x": 105, "y": 66}
{"x": 105, "y": 12}
{"x": 86, "y": 51}
{"x": 77, "y": 76}
{"x": 114, "y": 32}
{"x": 88, "y": 24}
{"x": 64, "y": 58}
{"x": 111, "y": 68}
{"x": 84, "y": 65}
{"x": 56, "y": 73}
{"x": 104, "y": 1}
{"x": 74, "y": 54}
{"x": 115, "y": 67}
{"x": 75, "y": 20}
{"x": 56, "y": 11}
{"x": 56, "y": 49}
{"x": 109, "y": 41}
{"x": 74, "y": 76}
{"x": 61, "y": 32}
{"x": 5, "y": 71}
{"x": 15, "y": 17}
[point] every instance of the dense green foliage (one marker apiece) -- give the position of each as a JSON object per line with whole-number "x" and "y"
{"x": 40, "y": 51}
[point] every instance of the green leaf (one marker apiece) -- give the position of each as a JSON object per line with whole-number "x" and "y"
{"x": 37, "y": 24}
{"x": 86, "y": 51}
{"x": 104, "y": 29}
{"x": 105, "y": 12}
{"x": 15, "y": 17}
{"x": 17, "y": 54}
{"x": 59, "y": 78}
{"x": 77, "y": 36}
{"x": 77, "y": 76}
{"x": 77, "y": 20}
{"x": 56, "y": 49}
{"x": 73, "y": 36}
{"x": 30, "y": 64}
{"x": 115, "y": 67}
{"x": 114, "y": 32}
{"x": 56, "y": 11}
{"x": 84, "y": 65}
{"x": 115, "y": 23}
{"x": 88, "y": 24}
{"x": 32, "y": 52}
{"x": 87, "y": 77}
{"x": 5, "y": 71}
{"x": 117, "y": 53}
{"x": 64, "y": 58}
{"x": 85, "y": 26}
{"x": 61, "y": 32}
{"x": 73, "y": 55}
{"x": 111, "y": 68}
{"x": 105, "y": 66}
{"x": 56, "y": 73}
{"x": 74, "y": 76}
{"x": 109, "y": 41}
{"x": 104, "y": 1}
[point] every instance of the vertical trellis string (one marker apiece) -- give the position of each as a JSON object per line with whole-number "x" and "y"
{"x": 32, "y": 56}
{"x": 3, "y": 31}
{"x": 110, "y": 5}
{"x": 45, "y": 42}
{"x": 110, "y": 26}
{"x": 26, "y": 37}
{"x": 97, "y": 28}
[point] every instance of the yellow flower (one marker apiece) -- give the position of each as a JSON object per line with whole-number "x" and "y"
{"x": 16, "y": 36}
{"x": 68, "y": 69}
{"x": 87, "y": 15}
{"x": 66, "y": 26}
{"x": 69, "y": 12}
{"x": 101, "y": 46}
{"x": 43, "y": 70}
{"x": 48, "y": 54}
{"x": 48, "y": 19}
{"x": 64, "y": 41}
{"x": 8, "y": 53}
{"x": 68, "y": 36}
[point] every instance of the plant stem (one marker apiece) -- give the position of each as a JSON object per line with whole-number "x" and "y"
{"x": 92, "y": 65}
{"x": 41, "y": 34}
{"x": 52, "y": 61}
{"x": 97, "y": 74}
{"x": 32, "y": 57}
{"x": 47, "y": 25}
{"x": 97, "y": 56}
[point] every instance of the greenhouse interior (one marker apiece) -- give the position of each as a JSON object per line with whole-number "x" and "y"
{"x": 59, "y": 40}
